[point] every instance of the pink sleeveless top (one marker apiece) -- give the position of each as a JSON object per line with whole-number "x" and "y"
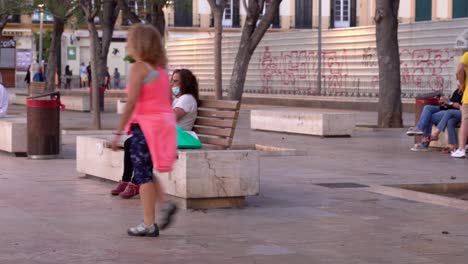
{"x": 153, "y": 112}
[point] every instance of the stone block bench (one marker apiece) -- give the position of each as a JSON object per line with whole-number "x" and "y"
{"x": 200, "y": 179}
{"x": 213, "y": 177}
{"x": 13, "y": 131}
{"x": 326, "y": 124}
{"x": 121, "y": 105}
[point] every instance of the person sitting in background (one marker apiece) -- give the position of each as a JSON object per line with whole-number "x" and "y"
{"x": 3, "y": 100}
{"x": 185, "y": 105}
{"x": 446, "y": 116}
{"x": 39, "y": 76}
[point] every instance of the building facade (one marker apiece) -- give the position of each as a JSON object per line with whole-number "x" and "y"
{"x": 303, "y": 14}
{"x": 192, "y": 18}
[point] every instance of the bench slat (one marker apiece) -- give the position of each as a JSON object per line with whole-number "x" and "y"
{"x": 213, "y": 131}
{"x": 216, "y": 113}
{"x": 226, "y": 123}
{"x": 219, "y": 104}
{"x": 225, "y": 142}
{"x": 37, "y": 87}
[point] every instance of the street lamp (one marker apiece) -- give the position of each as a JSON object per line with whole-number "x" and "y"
{"x": 319, "y": 73}
{"x": 41, "y": 22}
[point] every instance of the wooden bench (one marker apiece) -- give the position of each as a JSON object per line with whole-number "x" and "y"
{"x": 216, "y": 122}
{"x": 213, "y": 177}
{"x": 37, "y": 88}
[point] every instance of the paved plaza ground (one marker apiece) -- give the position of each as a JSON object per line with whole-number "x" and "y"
{"x": 51, "y": 214}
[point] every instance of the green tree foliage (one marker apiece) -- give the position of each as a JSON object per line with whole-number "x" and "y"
{"x": 12, "y": 7}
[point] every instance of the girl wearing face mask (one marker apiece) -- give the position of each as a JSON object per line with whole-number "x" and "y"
{"x": 185, "y": 103}
{"x": 185, "y": 93}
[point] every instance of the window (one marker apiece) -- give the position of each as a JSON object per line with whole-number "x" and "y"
{"x": 231, "y": 14}
{"x": 228, "y": 14}
{"x": 303, "y": 14}
{"x": 423, "y": 10}
{"x": 15, "y": 19}
{"x": 183, "y": 16}
{"x": 460, "y": 8}
{"x": 341, "y": 13}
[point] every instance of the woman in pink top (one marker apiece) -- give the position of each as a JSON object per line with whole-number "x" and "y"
{"x": 148, "y": 115}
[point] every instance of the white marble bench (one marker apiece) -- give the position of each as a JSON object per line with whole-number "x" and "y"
{"x": 13, "y": 134}
{"x": 200, "y": 179}
{"x": 303, "y": 122}
{"x": 121, "y": 105}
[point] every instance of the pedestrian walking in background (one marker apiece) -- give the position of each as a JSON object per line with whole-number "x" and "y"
{"x": 27, "y": 78}
{"x": 68, "y": 77}
{"x": 116, "y": 79}
{"x": 83, "y": 76}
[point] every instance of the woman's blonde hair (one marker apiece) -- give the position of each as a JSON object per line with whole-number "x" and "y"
{"x": 147, "y": 43}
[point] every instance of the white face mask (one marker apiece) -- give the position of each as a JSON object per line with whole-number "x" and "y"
{"x": 176, "y": 91}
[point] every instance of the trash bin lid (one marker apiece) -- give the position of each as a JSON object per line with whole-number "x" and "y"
{"x": 42, "y": 103}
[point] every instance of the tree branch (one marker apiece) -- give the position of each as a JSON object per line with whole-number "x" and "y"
{"x": 134, "y": 19}
{"x": 265, "y": 23}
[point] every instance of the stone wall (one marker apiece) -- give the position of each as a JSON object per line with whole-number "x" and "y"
{"x": 286, "y": 63}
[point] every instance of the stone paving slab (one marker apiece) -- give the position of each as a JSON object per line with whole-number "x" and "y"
{"x": 50, "y": 214}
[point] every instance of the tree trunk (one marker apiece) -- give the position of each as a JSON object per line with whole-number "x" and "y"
{"x": 55, "y": 49}
{"x": 218, "y": 54}
{"x": 134, "y": 19}
{"x": 158, "y": 20}
{"x": 95, "y": 48}
{"x": 390, "y": 109}
{"x": 110, "y": 12}
{"x": 252, "y": 33}
{"x": 99, "y": 51}
{"x": 239, "y": 73}
{"x": 217, "y": 7}
{"x": 3, "y": 22}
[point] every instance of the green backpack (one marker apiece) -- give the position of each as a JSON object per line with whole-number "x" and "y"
{"x": 187, "y": 141}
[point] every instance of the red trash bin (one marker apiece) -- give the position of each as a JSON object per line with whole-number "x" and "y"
{"x": 418, "y": 108}
{"x": 43, "y": 128}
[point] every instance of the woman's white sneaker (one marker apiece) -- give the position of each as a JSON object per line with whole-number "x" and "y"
{"x": 459, "y": 153}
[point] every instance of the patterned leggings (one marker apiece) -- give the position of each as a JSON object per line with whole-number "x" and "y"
{"x": 141, "y": 156}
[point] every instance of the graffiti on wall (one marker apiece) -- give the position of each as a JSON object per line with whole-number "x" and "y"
{"x": 296, "y": 70}
{"x": 426, "y": 68}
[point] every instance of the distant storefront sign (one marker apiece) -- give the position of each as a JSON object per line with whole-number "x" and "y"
{"x": 7, "y": 44}
{"x": 71, "y": 53}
